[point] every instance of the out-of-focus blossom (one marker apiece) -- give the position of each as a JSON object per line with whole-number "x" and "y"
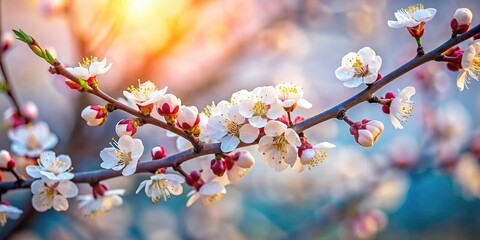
{"x": 413, "y": 18}
{"x": 279, "y": 145}
{"x": 95, "y": 115}
{"x": 389, "y": 192}
{"x": 158, "y": 152}
{"x": 188, "y": 119}
{"x": 467, "y": 174}
{"x": 229, "y": 128}
{"x": 90, "y": 68}
{"x": 13, "y": 120}
{"x": 461, "y": 20}
{"x": 32, "y": 139}
{"x": 48, "y": 193}
{"x": 8, "y": 211}
{"x": 52, "y": 7}
{"x": 208, "y": 193}
{"x": 126, "y": 127}
{"x": 145, "y": 96}
{"x": 122, "y": 155}
{"x": 168, "y": 107}
{"x": 366, "y": 224}
{"x": 101, "y": 201}
{"x": 358, "y": 68}
{"x": 7, "y": 41}
{"x": 470, "y": 65}
{"x": 6, "y": 161}
{"x": 162, "y": 186}
{"x": 291, "y": 96}
{"x": 52, "y": 167}
{"x": 367, "y": 132}
{"x": 311, "y": 156}
{"x": 260, "y": 106}
{"x": 401, "y": 107}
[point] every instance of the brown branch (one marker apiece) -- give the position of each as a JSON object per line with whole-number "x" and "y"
{"x": 177, "y": 159}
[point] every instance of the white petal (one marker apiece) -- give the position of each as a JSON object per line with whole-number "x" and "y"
{"x": 39, "y": 205}
{"x": 461, "y": 79}
{"x": 60, "y": 203}
{"x": 142, "y": 185}
{"x": 257, "y": 121}
{"x": 304, "y": 104}
{"x": 130, "y": 168}
{"x": 37, "y": 187}
{"x": 248, "y": 133}
{"x": 292, "y": 137}
{"x": 324, "y": 145}
{"x": 395, "y": 24}
{"x": 67, "y": 188}
{"x": 33, "y": 171}
{"x": 211, "y": 188}
{"x": 342, "y": 74}
{"x": 355, "y": 82}
{"x": 275, "y": 128}
{"x": 276, "y": 110}
{"x": 175, "y": 189}
{"x": 67, "y": 163}
{"x": 395, "y": 122}
{"x": 229, "y": 143}
{"x": 193, "y": 199}
{"x": 291, "y": 155}
{"x": 424, "y": 15}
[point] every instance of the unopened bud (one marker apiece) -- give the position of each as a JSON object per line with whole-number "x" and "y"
{"x": 461, "y": 20}
{"x": 126, "y": 127}
{"x": 188, "y": 119}
{"x": 7, "y": 41}
{"x": 94, "y": 115}
{"x": 367, "y": 132}
{"x": 244, "y": 159}
{"x": 168, "y": 107}
{"x": 6, "y": 160}
{"x": 218, "y": 167}
{"x": 30, "y": 111}
{"x": 158, "y": 152}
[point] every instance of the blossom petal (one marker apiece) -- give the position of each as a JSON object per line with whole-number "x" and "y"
{"x": 68, "y": 189}
{"x": 193, "y": 199}
{"x": 33, "y": 171}
{"x": 292, "y": 137}
{"x": 211, "y": 188}
{"x": 248, "y": 133}
{"x": 257, "y": 121}
{"x": 355, "y": 82}
{"x": 39, "y": 204}
{"x": 229, "y": 143}
{"x": 60, "y": 203}
{"x": 342, "y": 74}
{"x": 275, "y": 128}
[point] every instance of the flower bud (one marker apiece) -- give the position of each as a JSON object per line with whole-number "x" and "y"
{"x": 158, "y": 152}
{"x": 367, "y": 224}
{"x": 461, "y": 20}
{"x": 244, "y": 159}
{"x": 168, "y": 107}
{"x": 6, "y": 161}
{"x": 126, "y": 127}
{"x": 188, "y": 118}
{"x": 456, "y": 55}
{"x": 30, "y": 111}
{"x": 99, "y": 190}
{"x": 367, "y": 132}
{"x": 7, "y": 40}
{"x": 218, "y": 167}
{"x": 194, "y": 179}
{"x": 73, "y": 85}
{"x": 95, "y": 115}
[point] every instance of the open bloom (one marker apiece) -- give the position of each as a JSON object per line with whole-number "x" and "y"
{"x": 6, "y": 161}
{"x": 461, "y": 20}
{"x": 358, "y": 68}
{"x": 260, "y": 106}
{"x": 311, "y": 156}
{"x": 145, "y": 96}
{"x": 95, "y": 115}
{"x": 90, "y": 68}
{"x": 162, "y": 186}
{"x": 52, "y": 167}
{"x": 122, "y": 155}
{"x": 208, "y": 193}
{"x": 48, "y": 194}
{"x": 367, "y": 132}
{"x": 291, "y": 96}
{"x": 101, "y": 201}
{"x": 32, "y": 139}
{"x": 7, "y": 210}
{"x": 279, "y": 145}
{"x": 413, "y": 18}
{"x": 470, "y": 65}
{"x": 229, "y": 128}
{"x": 168, "y": 107}
{"x": 401, "y": 107}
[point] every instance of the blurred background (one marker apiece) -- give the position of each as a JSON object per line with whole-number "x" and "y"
{"x": 422, "y": 182}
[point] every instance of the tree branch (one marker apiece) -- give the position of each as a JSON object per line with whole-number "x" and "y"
{"x": 177, "y": 159}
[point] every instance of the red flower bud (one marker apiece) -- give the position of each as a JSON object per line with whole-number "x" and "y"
{"x": 158, "y": 152}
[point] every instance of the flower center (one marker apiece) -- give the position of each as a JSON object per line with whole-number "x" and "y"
{"x": 411, "y": 9}
{"x": 159, "y": 189}
{"x": 405, "y": 110}
{"x": 124, "y": 158}
{"x": 474, "y": 68}
{"x": 315, "y": 160}
{"x": 233, "y": 128}
{"x": 87, "y": 61}
{"x": 3, "y": 218}
{"x": 260, "y": 109}
{"x": 33, "y": 143}
{"x": 144, "y": 90}
{"x": 286, "y": 90}
{"x": 209, "y": 200}
{"x": 279, "y": 142}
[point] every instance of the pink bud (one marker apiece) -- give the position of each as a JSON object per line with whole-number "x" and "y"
{"x": 169, "y": 105}
{"x": 126, "y": 127}
{"x": 73, "y": 85}
{"x": 305, "y": 145}
{"x": 7, "y": 40}
{"x": 99, "y": 190}
{"x": 30, "y": 111}
{"x": 390, "y": 95}
{"x": 94, "y": 115}
{"x": 244, "y": 159}
{"x": 145, "y": 109}
{"x": 6, "y": 161}
{"x": 299, "y": 119}
{"x": 367, "y": 224}
{"x": 386, "y": 109}
{"x": 158, "y": 152}
{"x": 461, "y": 20}
{"x": 188, "y": 118}
{"x": 218, "y": 167}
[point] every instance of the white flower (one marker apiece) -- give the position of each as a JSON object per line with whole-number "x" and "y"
{"x": 359, "y": 67}
{"x": 240, "y": 96}
{"x": 48, "y": 194}
{"x": 209, "y": 193}
{"x": 242, "y": 162}
{"x": 90, "y": 68}
{"x": 279, "y": 145}
{"x": 52, "y": 167}
{"x": 32, "y": 139}
{"x": 290, "y": 96}
{"x": 412, "y": 16}
{"x": 260, "y": 106}
{"x": 467, "y": 174}
{"x": 123, "y": 154}
{"x": 229, "y": 128}
{"x": 7, "y": 210}
{"x": 310, "y": 157}
{"x": 93, "y": 206}
{"x": 161, "y": 186}
{"x": 470, "y": 66}
{"x": 146, "y": 94}
{"x": 401, "y": 107}
{"x": 94, "y": 115}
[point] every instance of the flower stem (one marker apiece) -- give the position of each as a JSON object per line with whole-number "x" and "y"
{"x": 17, "y": 176}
